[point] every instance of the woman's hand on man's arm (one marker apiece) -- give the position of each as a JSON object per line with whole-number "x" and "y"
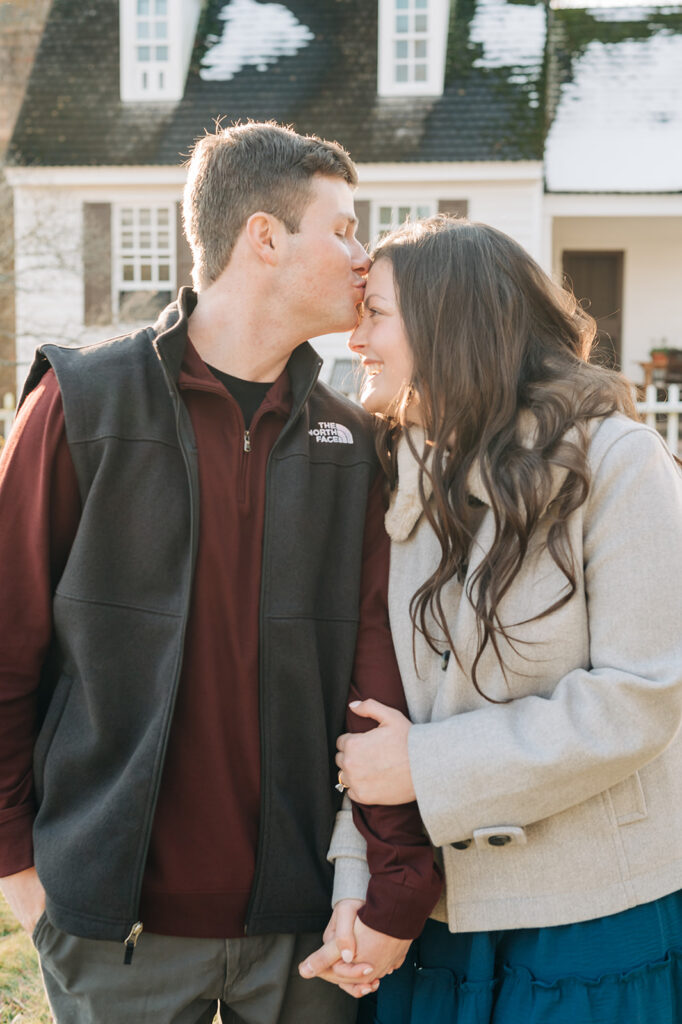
{"x": 375, "y": 765}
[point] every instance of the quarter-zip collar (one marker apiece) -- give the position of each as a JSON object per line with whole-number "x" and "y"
{"x": 187, "y": 369}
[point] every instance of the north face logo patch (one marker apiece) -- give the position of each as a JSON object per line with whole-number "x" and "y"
{"x": 331, "y": 433}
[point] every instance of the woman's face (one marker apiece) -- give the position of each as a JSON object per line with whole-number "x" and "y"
{"x": 381, "y": 342}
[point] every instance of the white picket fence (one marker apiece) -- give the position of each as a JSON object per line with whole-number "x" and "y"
{"x": 662, "y": 414}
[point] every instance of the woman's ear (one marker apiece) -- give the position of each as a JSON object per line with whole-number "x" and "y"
{"x": 261, "y": 231}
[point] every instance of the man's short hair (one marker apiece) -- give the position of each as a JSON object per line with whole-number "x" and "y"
{"x": 238, "y": 170}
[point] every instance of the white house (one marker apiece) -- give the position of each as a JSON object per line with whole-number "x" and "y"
{"x": 559, "y": 126}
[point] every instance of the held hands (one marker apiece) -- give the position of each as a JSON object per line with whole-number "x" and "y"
{"x": 354, "y": 956}
{"x": 26, "y": 897}
{"x": 375, "y": 765}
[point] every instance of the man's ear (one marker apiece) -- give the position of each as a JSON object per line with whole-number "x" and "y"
{"x": 262, "y": 232}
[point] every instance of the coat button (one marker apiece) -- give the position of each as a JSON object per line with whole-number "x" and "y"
{"x": 499, "y": 840}
{"x": 461, "y": 845}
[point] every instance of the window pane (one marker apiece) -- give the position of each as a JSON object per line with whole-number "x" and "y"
{"x": 141, "y": 305}
{"x": 420, "y": 72}
{"x": 160, "y": 30}
{"x": 144, "y": 80}
{"x": 145, "y": 240}
{"x": 145, "y": 217}
{"x": 401, "y": 5}
{"x": 128, "y": 272}
{"x": 146, "y": 272}
{"x": 127, "y": 240}
{"x": 142, "y": 7}
{"x": 401, "y": 48}
{"x": 162, "y": 217}
{"x": 401, "y": 23}
{"x": 143, "y": 53}
{"x": 421, "y": 4}
{"x": 423, "y": 211}
{"x": 384, "y": 215}
{"x": 344, "y": 377}
{"x": 161, "y": 8}
{"x": 420, "y": 49}
{"x": 126, "y": 217}
{"x": 143, "y": 30}
{"x": 403, "y": 213}
{"x": 162, "y": 53}
{"x": 164, "y": 272}
{"x": 401, "y": 73}
{"x": 420, "y": 22}
{"x": 161, "y": 85}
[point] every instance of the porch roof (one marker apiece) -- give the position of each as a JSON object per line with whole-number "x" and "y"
{"x": 616, "y": 93}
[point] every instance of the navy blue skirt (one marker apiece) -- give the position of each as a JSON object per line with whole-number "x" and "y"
{"x": 621, "y": 969}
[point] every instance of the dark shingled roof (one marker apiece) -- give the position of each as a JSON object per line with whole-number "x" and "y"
{"x": 72, "y": 114}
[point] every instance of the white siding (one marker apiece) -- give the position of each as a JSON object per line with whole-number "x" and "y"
{"x": 651, "y": 276}
{"x": 49, "y": 264}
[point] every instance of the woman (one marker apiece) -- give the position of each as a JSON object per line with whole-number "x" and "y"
{"x": 536, "y": 573}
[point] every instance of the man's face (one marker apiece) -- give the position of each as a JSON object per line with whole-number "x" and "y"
{"x": 324, "y": 264}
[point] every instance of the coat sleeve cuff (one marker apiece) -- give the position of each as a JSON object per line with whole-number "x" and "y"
{"x": 431, "y": 761}
{"x": 348, "y": 853}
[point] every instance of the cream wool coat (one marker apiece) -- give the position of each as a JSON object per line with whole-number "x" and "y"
{"x": 578, "y": 778}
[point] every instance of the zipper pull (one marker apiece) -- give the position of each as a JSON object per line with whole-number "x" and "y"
{"x": 247, "y": 440}
{"x": 131, "y": 941}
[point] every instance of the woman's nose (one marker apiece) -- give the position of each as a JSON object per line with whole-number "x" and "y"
{"x": 356, "y": 341}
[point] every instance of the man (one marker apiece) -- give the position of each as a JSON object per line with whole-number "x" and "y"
{"x": 194, "y": 568}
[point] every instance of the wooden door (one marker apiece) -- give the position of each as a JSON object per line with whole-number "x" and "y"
{"x": 597, "y": 282}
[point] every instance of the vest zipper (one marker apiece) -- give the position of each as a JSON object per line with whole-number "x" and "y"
{"x": 136, "y": 929}
{"x": 131, "y": 942}
{"x": 247, "y": 440}
{"x": 260, "y": 851}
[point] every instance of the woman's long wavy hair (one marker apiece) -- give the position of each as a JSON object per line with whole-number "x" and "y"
{"x": 491, "y": 336}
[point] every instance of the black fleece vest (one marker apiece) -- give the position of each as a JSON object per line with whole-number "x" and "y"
{"x": 120, "y": 612}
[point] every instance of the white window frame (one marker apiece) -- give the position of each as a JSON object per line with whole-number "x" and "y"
{"x": 155, "y": 80}
{"x": 152, "y": 33}
{"x": 400, "y": 26}
{"x": 152, "y": 255}
{"x": 417, "y": 208}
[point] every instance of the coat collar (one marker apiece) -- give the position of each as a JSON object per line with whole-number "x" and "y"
{"x": 405, "y": 507}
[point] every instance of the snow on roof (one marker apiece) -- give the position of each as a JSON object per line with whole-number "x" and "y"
{"x": 627, "y": 6}
{"x": 512, "y": 34}
{"x": 255, "y": 34}
{"x": 618, "y": 124}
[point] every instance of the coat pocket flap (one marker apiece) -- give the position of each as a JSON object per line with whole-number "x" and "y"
{"x": 627, "y": 800}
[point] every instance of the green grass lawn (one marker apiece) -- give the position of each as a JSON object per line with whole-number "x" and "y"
{"x": 21, "y": 991}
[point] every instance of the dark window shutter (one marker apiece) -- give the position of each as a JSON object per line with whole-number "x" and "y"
{"x": 362, "y": 213}
{"x": 183, "y": 252}
{"x": 455, "y": 207}
{"x": 97, "y": 263}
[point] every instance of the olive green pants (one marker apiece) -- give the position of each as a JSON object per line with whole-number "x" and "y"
{"x": 253, "y": 980}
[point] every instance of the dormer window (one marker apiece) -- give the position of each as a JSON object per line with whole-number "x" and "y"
{"x": 151, "y": 45}
{"x": 412, "y": 44}
{"x": 156, "y": 43}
